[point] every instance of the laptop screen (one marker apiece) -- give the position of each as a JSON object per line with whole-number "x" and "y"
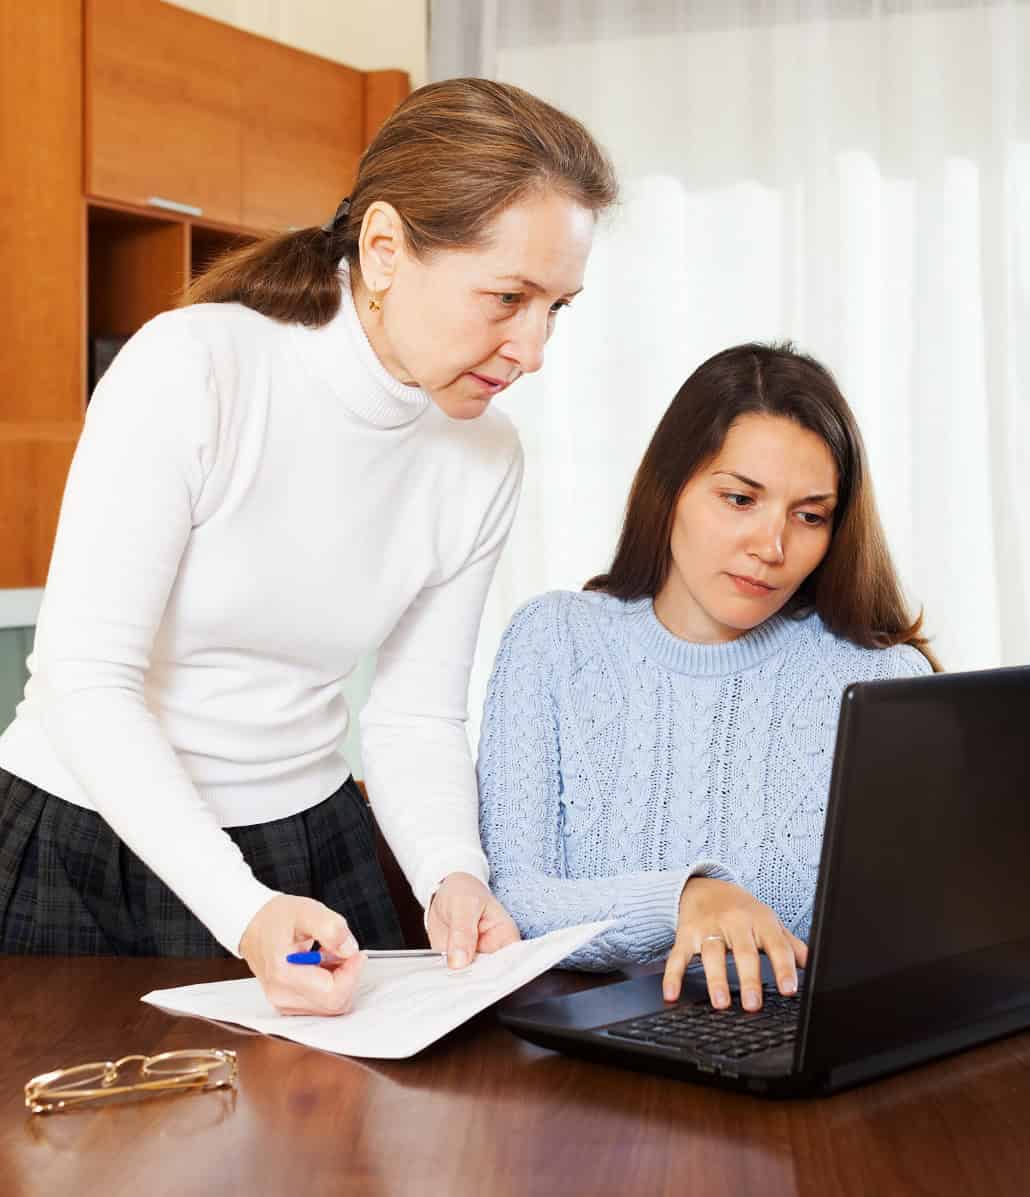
{"x": 922, "y": 921}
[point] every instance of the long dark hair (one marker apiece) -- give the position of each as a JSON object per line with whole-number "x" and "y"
{"x": 451, "y": 157}
{"x": 855, "y": 588}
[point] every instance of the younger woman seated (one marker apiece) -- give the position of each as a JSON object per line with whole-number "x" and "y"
{"x": 657, "y": 749}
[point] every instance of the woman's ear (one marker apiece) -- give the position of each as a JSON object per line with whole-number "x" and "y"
{"x": 380, "y": 244}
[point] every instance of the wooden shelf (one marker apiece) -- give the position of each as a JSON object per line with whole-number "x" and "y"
{"x": 137, "y": 267}
{"x": 139, "y": 260}
{"x": 208, "y": 243}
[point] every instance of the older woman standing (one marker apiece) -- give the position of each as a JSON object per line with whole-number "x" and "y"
{"x": 298, "y": 466}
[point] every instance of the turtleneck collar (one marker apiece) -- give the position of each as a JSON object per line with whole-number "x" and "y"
{"x": 341, "y": 353}
{"x": 707, "y": 660}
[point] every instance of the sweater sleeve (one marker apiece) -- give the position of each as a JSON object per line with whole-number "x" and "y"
{"x": 418, "y": 767}
{"x": 130, "y": 503}
{"x": 522, "y": 814}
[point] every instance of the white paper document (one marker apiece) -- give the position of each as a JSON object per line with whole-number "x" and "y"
{"x": 401, "y": 1006}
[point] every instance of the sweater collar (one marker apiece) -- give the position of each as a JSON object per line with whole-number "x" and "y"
{"x": 707, "y": 660}
{"x": 341, "y": 353}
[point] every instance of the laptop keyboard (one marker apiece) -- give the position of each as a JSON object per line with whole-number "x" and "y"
{"x": 699, "y": 1029}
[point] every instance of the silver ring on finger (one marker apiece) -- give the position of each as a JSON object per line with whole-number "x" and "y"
{"x": 720, "y": 938}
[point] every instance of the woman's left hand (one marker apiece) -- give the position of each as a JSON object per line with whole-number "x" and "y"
{"x": 465, "y": 918}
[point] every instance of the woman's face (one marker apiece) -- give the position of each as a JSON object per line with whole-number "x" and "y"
{"x": 466, "y": 324}
{"x": 750, "y": 526}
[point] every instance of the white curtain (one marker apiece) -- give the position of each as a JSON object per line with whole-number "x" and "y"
{"x": 854, "y": 176}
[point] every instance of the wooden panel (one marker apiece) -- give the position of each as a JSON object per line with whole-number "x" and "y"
{"x": 32, "y": 475}
{"x": 208, "y": 244}
{"x": 41, "y": 229}
{"x": 162, "y": 106}
{"x": 303, "y": 132}
{"x": 137, "y": 267}
{"x": 384, "y": 90}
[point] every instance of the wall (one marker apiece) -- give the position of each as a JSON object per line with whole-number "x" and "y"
{"x": 366, "y": 34}
{"x": 18, "y": 611}
{"x": 15, "y": 646}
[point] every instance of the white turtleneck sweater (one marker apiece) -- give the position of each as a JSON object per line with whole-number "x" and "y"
{"x": 252, "y": 507}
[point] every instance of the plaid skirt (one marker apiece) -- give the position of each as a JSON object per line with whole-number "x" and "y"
{"x": 70, "y": 887}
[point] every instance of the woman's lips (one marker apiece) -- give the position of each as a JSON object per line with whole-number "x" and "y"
{"x": 493, "y": 385}
{"x": 751, "y": 586}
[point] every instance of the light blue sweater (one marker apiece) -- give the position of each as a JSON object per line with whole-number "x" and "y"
{"x": 616, "y": 761}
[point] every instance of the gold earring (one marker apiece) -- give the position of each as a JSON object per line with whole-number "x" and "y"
{"x": 373, "y": 304}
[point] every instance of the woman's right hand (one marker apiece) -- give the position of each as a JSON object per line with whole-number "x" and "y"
{"x": 289, "y": 924}
{"x": 718, "y": 916}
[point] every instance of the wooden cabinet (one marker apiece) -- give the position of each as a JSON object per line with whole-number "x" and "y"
{"x": 105, "y": 107}
{"x": 138, "y": 265}
{"x": 162, "y": 92}
{"x": 229, "y": 126}
{"x": 303, "y": 133}
{"x": 384, "y": 90}
{"x": 41, "y": 246}
{"x": 139, "y": 262}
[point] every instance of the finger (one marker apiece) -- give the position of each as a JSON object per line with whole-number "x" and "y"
{"x": 713, "y": 957}
{"x": 749, "y": 968}
{"x": 345, "y": 983}
{"x": 329, "y": 928}
{"x": 800, "y": 950}
{"x": 300, "y": 990}
{"x": 462, "y": 932}
{"x": 437, "y": 931}
{"x": 773, "y": 940}
{"x": 436, "y": 926}
{"x": 496, "y": 932}
{"x": 318, "y": 990}
{"x": 672, "y": 981}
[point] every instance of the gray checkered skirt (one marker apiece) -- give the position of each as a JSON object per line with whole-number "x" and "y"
{"x": 70, "y": 887}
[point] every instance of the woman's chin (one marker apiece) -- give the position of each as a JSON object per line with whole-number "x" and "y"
{"x": 743, "y": 621}
{"x": 734, "y": 623}
{"x": 461, "y": 407}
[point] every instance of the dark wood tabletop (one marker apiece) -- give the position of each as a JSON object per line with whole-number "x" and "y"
{"x": 478, "y": 1113}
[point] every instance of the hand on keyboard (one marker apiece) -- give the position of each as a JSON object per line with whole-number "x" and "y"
{"x": 718, "y": 916}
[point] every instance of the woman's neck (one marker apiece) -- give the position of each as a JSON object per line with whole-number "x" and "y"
{"x": 374, "y": 328}
{"x": 682, "y": 615}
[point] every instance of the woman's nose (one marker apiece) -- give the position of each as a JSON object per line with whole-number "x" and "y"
{"x": 768, "y": 544}
{"x": 525, "y": 346}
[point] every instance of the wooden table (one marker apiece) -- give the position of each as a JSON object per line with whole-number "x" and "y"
{"x": 478, "y": 1113}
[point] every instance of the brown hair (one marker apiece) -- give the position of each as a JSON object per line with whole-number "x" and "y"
{"x": 451, "y": 157}
{"x": 854, "y": 589}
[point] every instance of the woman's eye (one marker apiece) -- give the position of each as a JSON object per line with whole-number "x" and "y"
{"x": 509, "y": 299}
{"x": 738, "y": 501}
{"x": 812, "y": 519}
{"x": 558, "y": 305}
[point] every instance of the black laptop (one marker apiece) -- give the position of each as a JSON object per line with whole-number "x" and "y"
{"x": 920, "y": 941}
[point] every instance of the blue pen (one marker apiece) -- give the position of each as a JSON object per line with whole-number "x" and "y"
{"x": 332, "y": 958}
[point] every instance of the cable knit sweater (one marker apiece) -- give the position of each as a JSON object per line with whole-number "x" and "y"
{"x": 617, "y": 761}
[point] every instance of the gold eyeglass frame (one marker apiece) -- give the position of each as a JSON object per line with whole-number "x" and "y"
{"x": 187, "y": 1070}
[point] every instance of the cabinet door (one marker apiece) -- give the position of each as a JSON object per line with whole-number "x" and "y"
{"x": 303, "y": 133}
{"x": 162, "y": 107}
{"x": 41, "y": 246}
{"x": 384, "y": 90}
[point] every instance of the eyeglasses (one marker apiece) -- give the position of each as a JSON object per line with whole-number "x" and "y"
{"x": 184, "y": 1071}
